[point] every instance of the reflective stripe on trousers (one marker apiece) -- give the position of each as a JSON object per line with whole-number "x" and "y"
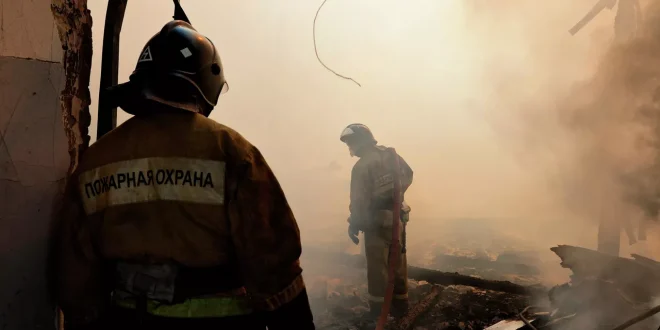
{"x": 194, "y": 307}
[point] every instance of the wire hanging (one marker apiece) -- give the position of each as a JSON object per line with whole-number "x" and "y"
{"x": 317, "y": 52}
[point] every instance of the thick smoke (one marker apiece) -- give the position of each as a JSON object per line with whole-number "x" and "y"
{"x": 595, "y": 138}
{"x": 501, "y": 113}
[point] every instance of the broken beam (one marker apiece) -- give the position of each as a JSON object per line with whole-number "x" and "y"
{"x": 444, "y": 278}
{"x": 595, "y": 10}
{"x": 429, "y": 275}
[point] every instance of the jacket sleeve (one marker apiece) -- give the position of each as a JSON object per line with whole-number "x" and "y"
{"x": 77, "y": 274}
{"x": 407, "y": 174}
{"x": 360, "y": 197}
{"x": 265, "y": 236}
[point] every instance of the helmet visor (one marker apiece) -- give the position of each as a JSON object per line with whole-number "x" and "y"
{"x": 225, "y": 88}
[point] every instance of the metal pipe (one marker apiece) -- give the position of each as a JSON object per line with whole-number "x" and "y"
{"x": 114, "y": 17}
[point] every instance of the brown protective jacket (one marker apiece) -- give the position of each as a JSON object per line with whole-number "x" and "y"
{"x": 372, "y": 185}
{"x": 175, "y": 187}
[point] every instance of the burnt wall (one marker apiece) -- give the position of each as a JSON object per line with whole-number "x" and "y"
{"x": 34, "y": 157}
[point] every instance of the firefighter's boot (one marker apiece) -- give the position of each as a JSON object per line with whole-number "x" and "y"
{"x": 375, "y": 308}
{"x": 399, "y": 307}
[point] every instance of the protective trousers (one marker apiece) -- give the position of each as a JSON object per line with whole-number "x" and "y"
{"x": 377, "y": 244}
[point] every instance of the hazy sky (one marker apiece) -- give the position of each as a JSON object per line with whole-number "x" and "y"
{"x": 439, "y": 78}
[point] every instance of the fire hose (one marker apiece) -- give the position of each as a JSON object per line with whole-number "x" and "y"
{"x": 395, "y": 246}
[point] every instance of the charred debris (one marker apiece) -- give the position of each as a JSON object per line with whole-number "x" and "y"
{"x": 604, "y": 292}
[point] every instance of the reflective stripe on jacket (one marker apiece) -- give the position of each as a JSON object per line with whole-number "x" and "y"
{"x": 221, "y": 306}
{"x": 175, "y": 187}
{"x": 193, "y": 308}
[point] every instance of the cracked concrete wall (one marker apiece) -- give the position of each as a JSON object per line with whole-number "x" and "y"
{"x": 27, "y": 30}
{"x": 34, "y": 158}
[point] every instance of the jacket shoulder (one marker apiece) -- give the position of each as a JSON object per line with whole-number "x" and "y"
{"x": 231, "y": 140}
{"x": 170, "y": 134}
{"x": 371, "y": 158}
{"x": 361, "y": 167}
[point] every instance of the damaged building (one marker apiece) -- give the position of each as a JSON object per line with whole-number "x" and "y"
{"x": 43, "y": 91}
{"x": 45, "y": 63}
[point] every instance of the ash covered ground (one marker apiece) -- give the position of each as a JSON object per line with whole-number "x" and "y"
{"x": 338, "y": 292}
{"x": 552, "y": 286}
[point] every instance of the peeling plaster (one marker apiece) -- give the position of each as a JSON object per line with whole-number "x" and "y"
{"x": 74, "y": 25}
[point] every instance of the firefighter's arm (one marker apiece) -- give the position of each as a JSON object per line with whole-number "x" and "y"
{"x": 407, "y": 177}
{"x": 265, "y": 236}
{"x": 360, "y": 197}
{"x": 76, "y": 274}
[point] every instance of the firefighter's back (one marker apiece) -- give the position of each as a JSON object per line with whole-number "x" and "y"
{"x": 154, "y": 194}
{"x": 173, "y": 221}
{"x": 156, "y": 185}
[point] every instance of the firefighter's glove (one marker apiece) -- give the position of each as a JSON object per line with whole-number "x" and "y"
{"x": 405, "y": 212}
{"x": 353, "y": 234}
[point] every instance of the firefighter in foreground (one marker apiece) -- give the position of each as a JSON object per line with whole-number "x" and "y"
{"x": 371, "y": 207}
{"x": 172, "y": 220}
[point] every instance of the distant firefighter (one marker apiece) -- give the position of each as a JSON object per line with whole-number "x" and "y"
{"x": 371, "y": 207}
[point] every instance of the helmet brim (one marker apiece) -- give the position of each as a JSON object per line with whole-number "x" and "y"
{"x": 131, "y": 99}
{"x": 130, "y": 96}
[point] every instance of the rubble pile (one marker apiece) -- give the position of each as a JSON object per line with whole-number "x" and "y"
{"x": 472, "y": 276}
{"x": 482, "y": 249}
{"x": 462, "y": 307}
{"x": 339, "y": 297}
{"x": 605, "y": 292}
{"x": 342, "y": 305}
